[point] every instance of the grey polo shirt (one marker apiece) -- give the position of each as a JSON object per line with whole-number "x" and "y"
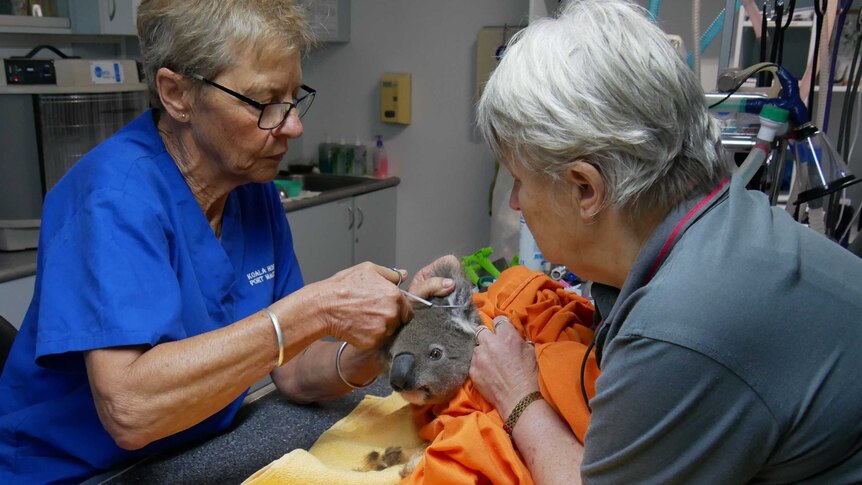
{"x": 734, "y": 355}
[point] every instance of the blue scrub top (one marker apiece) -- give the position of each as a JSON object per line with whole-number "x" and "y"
{"x": 127, "y": 257}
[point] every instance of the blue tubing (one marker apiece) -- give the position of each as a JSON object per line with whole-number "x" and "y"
{"x": 652, "y": 8}
{"x": 789, "y": 100}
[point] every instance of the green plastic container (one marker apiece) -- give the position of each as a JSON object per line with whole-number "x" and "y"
{"x": 290, "y": 187}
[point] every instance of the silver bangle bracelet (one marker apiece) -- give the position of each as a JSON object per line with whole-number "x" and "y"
{"x": 278, "y": 335}
{"x": 340, "y": 375}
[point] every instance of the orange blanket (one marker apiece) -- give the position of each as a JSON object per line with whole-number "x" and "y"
{"x": 468, "y": 444}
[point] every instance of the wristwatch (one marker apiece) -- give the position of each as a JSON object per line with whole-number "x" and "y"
{"x": 509, "y": 425}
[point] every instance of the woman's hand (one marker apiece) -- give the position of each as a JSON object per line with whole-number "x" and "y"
{"x": 360, "y": 305}
{"x": 504, "y": 367}
{"x": 426, "y": 285}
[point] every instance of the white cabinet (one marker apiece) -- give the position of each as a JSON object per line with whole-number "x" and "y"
{"x": 374, "y": 234}
{"x": 322, "y": 238}
{"x": 115, "y": 17}
{"x": 330, "y": 237}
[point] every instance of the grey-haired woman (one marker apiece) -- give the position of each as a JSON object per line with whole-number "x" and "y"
{"x": 167, "y": 282}
{"x": 730, "y": 334}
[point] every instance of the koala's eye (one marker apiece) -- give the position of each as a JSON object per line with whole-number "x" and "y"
{"x": 436, "y": 354}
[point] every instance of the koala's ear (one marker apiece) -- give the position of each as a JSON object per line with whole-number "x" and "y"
{"x": 462, "y": 295}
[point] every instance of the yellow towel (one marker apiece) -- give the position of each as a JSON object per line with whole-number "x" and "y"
{"x": 374, "y": 425}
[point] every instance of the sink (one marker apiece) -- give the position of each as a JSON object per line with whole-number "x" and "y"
{"x": 321, "y": 182}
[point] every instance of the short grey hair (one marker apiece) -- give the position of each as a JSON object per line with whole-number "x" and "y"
{"x": 207, "y": 36}
{"x": 601, "y": 83}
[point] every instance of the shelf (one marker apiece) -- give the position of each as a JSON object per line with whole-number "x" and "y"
{"x": 22, "y": 24}
{"x": 795, "y": 23}
{"x": 52, "y": 89}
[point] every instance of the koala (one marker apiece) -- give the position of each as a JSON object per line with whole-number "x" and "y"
{"x": 429, "y": 357}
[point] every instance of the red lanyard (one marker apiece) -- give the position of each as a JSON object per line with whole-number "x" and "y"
{"x": 677, "y": 230}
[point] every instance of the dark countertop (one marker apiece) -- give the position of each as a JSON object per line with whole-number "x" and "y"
{"x": 19, "y": 264}
{"x": 342, "y": 193}
{"x": 263, "y": 431}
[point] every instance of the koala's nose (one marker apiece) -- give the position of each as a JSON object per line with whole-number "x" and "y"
{"x": 401, "y": 372}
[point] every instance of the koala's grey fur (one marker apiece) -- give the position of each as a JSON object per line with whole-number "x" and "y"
{"x": 429, "y": 358}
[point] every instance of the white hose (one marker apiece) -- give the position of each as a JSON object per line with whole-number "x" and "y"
{"x": 752, "y": 162}
{"x": 695, "y": 27}
{"x": 817, "y": 219}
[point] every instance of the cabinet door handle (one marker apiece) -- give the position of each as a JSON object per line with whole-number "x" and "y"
{"x": 350, "y": 217}
{"x": 361, "y": 217}
{"x": 113, "y": 10}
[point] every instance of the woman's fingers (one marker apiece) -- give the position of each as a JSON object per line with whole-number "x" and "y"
{"x": 434, "y": 286}
{"x": 366, "y": 307}
{"x": 426, "y": 285}
{"x": 504, "y": 366}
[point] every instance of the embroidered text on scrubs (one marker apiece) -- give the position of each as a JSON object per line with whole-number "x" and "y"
{"x": 259, "y": 275}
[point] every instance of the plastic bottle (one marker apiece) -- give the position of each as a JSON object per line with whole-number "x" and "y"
{"x": 360, "y": 158}
{"x": 349, "y": 158}
{"x": 340, "y": 157}
{"x": 727, "y": 120}
{"x": 324, "y": 156}
{"x": 529, "y": 254}
{"x": 380, "y": 160}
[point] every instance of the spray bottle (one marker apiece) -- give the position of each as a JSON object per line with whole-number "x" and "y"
{"x": 380, "y": 160}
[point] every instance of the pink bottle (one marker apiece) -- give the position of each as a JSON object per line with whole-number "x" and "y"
{"x": 380, "y": 160}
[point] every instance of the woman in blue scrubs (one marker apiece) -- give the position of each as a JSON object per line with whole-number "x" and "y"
{"x": 166, "y": 282}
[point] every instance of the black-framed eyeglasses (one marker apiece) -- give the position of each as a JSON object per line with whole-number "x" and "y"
{"x": 272, "y": 115}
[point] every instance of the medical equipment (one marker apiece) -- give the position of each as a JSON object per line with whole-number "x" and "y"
{"x": 819, "y": 11}
{"x": 479, "y": 262}
{"x": 839, "y": 29}
{"x": 428, "y": 304}
{"x": 819, "y": 169}
{"x": 55, "y": 111}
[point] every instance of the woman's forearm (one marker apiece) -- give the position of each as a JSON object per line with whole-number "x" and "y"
{"x": 550, "y": 449}
{"x": 311, "y": 376}
{"x": 143, "y": 395}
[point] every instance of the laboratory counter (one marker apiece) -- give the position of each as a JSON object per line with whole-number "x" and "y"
{"x": 266, "y": 427}
{"x": 20, "y": 264}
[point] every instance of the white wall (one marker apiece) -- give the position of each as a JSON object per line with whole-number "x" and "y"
{"x": 444, "y": 167}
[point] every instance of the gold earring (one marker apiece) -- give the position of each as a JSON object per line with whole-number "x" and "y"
{"x": 183, "y": 116}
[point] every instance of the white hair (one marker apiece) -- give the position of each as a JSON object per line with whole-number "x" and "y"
{"x": 601, "y": 83}
{"x": 206, "y": 37}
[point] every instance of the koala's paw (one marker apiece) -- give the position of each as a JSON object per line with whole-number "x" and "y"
{"x": 391, "y": 456}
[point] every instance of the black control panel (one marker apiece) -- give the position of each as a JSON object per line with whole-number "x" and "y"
{"x": 29, "y": 71}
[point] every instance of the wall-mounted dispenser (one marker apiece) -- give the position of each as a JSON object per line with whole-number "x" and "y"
{"x": 395, "y": 98}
